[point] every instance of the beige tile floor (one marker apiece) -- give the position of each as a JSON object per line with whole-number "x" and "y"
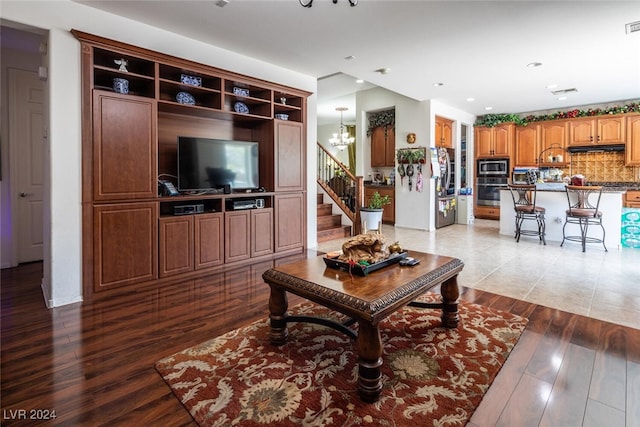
{"x": 602, "y": 285}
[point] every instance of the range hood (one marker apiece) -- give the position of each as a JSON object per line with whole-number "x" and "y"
{"x": 596, "y": 148}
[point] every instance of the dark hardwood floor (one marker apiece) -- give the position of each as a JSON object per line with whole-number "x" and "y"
{"x": 93, "y": 363}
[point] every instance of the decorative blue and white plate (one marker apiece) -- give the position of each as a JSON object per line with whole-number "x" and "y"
{"x": 240, "y": 91}
{"x": 240, "y": 107}
{"x": 185, "y": 98}
{"x": 191, "y": 80}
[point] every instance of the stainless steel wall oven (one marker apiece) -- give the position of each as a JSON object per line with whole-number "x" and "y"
{"x": 492, "y": 176}
{"x": 488, "y": 190}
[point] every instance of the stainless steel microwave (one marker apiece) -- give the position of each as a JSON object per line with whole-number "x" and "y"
{"x": 493, "y": 167}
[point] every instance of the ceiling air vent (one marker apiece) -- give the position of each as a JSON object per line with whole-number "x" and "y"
{"x": 632, "y": 27}
{"x": 564, "y": 91}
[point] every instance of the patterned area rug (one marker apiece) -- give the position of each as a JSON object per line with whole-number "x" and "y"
{"x": 432, "y": 375}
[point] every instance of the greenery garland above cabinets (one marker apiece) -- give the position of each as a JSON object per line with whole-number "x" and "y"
{"x": 381, "y": 119}
{"x": 491, "y": 120}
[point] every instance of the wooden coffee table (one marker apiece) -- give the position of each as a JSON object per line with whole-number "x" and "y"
{"x": 366, "y": 300}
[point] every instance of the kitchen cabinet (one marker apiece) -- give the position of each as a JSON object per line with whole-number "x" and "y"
{"x": 444, "y": 132}
{"x": 554, "y": 134}
{"x": 632, "y": 199}
{"x": 533, "y": 139}
{"x": 527, "y": 145}
{"x": 494, "y": 141}
{"x": 487, "y": 212}
{"x": 632, "y": 149}
{"x": 383, "y": 146}
{"x": 597, "y": 130}
{"x": 389, "y": 211}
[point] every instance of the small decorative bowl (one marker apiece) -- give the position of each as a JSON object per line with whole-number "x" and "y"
{"x": 191, "y": 80}
{"x": 240, "y": 107}
{"x": 282, "y": 116}
{"x": 121, "y": 85}
{"x": 185, "y": 98}
{"x": 240, "y": 91}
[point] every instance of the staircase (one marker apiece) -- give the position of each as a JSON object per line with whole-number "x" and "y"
{"x": 330, "y": 225}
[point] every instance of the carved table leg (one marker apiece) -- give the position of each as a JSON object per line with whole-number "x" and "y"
{"x": 450, "y": 293}
{"x": 369, "y": 346}
{"x": 278, "y": 305}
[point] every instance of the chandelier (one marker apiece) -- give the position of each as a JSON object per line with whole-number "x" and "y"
{"x": 309, "y": 3}
{"x": 341, "y": 140}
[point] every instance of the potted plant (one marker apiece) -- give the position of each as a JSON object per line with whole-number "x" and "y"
{"x": 371, "y": 215}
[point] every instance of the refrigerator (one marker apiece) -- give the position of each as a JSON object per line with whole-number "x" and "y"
{"x": 446, "y": 202}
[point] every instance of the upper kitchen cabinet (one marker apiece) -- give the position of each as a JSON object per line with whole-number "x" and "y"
{"x": 444, "y": 132}
{"x": 597, "y": 130}
{"x": 383, "y": 146}
{"x": 553, "y": 137}
{"x": 632, "y": 150}
{"x": 527, "y": 145}
{"x": 494, "y": 141}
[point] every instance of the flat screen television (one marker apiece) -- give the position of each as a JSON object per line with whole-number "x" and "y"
{"x": 206, "y": 164}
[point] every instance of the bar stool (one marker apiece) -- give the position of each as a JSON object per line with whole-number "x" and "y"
{"x": 583, "y": 212}
{"x": 524, "y": 204}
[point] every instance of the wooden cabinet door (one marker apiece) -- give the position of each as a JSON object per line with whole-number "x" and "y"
{"x": 124, "y": 147}
{"x": 290, "y": 214}
{"x": 125, "y": 244}
{"x": 208, "y": 240}
{"x": 176, "y": 245}
{"x": 484, "y": 141}
{"x": 389, "y": 211}
{"x": 582, "y": 132}
{"x": 390, "y": 148}
{"x": 527, "y": 145}
{"x": 289, "y": 155}
{"x": 383, "y": 147}
{"x": 261, "y": 232}
{"x": 503, "y": 139}
{"x": 237, "y": 242}
{"x": 611, "y": 130}
{"x": 444, "y": 132}
{"x": 378, "y": 147}
{"x": 632, "y": 150}
{"x": 554, "y": 133}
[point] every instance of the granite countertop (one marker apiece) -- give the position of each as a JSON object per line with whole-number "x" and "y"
{"x": 608, "y": 187}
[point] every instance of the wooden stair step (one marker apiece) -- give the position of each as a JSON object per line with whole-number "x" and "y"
{"x": 329, "y": 221}
{"x": 334, "y": 233}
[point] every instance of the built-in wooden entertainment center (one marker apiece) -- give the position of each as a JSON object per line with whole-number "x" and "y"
{"x": 131, "y": 236}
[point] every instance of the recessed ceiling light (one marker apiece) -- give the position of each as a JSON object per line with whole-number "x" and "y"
{"x": 470, "y": 99}
{"x": 438, "y": 84}
{"x": 350, "y": 57}
{"x": 383, "y": 70}
{"x": 488, "y": 108}
{"x": 564, "y": 91}
{"x": 222, "y": 3}
{"x": 359, "y": 81}
{"x": 534, "y": 64}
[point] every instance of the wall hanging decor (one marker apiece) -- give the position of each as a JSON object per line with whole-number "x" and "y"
{"x": 410, "y": 161}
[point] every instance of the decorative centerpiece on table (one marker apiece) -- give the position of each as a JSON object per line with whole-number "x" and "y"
{"x": 365, "y": 253}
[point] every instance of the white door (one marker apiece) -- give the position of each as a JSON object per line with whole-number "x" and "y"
{"x": 26, "y": 140}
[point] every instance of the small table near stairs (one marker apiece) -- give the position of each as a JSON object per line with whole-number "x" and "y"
{"x": 365, "y": 299}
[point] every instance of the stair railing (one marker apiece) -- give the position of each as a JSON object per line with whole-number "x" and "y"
{"x": 344, "y": 188}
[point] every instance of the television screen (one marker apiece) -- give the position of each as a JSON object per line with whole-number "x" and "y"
{"x": 206, "y": 164}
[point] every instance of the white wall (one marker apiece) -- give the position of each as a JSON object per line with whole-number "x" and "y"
{"x": 60, "y": 16}
{"x": 413, "y": 209}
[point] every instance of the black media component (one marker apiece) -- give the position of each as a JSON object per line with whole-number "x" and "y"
{"x": 188, "y": 209}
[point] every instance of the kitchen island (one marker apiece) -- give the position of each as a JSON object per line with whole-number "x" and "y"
{"x": 554, "y": 199}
